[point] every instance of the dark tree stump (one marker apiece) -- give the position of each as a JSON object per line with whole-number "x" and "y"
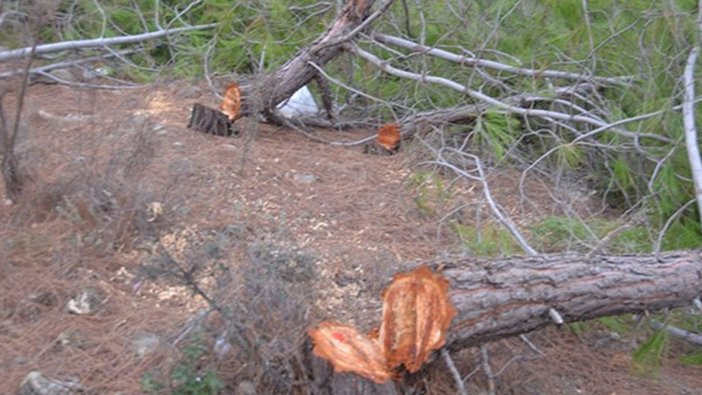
{"x": 376, "y": 149}
{"x": 211, "y": 121}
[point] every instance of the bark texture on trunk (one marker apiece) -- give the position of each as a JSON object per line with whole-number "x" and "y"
{"x": 498, "y": 298}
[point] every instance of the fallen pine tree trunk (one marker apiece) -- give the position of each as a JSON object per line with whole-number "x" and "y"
{"x": 498, "y": 298}
{"x": 504, "y": 297}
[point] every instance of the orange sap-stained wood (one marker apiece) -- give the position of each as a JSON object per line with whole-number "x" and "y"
{"x": 350, "y": 351}
{"x": 389, "y": 136}
{"x": 417, "y": 312}
{"x": 231, "y": 104}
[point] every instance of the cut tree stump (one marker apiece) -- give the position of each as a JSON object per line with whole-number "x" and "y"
{"x": 211, "y": 121}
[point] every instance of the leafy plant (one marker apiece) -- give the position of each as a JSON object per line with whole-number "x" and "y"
{"x": 430, "y": 192}
{"x": 188, "y": 376}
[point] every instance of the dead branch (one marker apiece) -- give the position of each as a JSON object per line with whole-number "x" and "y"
{"x": 96, "y": 42}
{"x": 489, "y": 64}
{"x": 11, "y": 171}
{"x": 499, "y": 298}
{"x": 693, "y": 150}
{"x": 584, "y": 117}
{"x": 63, "y": 64}
{"x": 688, "y": 336}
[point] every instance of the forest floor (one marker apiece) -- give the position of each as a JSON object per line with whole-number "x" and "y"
{"x": 119, "y": 182}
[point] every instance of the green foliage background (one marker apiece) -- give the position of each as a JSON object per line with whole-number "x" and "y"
{"x": 648, "y": 40}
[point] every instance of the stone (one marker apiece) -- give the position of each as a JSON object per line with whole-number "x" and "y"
{"x": 87, "y": 301}
{"x": 38, "y": 384}
{"x": 145, "y": 343}
{"x": 245, "y": 388}
{"x": 305, "y": 178}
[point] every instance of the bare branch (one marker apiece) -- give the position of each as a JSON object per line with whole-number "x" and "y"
{"x": 694, "y": 338}
{"x": 496, "y": 211}
{"x": 489, "y": 64}
{"x": 460, "y": 386}
{"x": 545, "y": 114}
{"x": 96, "y": 42}
{"x": 65, "y": 64}
{"x": 693, "y": 149}
{"x": 485, "y": 363}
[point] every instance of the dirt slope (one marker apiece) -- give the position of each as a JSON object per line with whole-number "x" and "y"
{"x": 117, "y": 173}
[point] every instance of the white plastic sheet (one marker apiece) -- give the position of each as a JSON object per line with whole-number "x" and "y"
{"x": 301, "y": 103}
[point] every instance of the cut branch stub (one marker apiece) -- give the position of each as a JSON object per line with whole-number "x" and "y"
{"x": 350, "y": 351}
{"x": 389, "y": 136}
{"x": 416, "y": 315}
{"x": 231, "y": 104}
{"x": 387, "y": 142}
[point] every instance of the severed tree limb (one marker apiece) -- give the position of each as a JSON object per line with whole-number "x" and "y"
{"x": 96, "y": 42}
{"x": 271, "y": 89}
{"x": 490, "y": 64}
{"x": 690, "y": 337}
{"x": 64, "y": 64}
{"x": 587, "y": 118}
{"x": 499, "y": 298}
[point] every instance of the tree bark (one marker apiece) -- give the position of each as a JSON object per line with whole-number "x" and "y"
{"x": 498, "y": 298}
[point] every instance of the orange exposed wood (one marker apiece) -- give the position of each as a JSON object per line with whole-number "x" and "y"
{"x": 350, "y": 351}
{"x": 389, "y": 136}
{"x": 416, "y": 316}
{"x": 231, "y": 104}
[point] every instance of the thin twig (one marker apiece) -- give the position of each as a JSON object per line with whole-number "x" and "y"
{"x": 10, "y": 166}
{"x": 496, "y": 211}
{"x": 607, "y": 239}
{"x": 460, "y": 386}
{"x": 531, "y": 345}
{"x": 661, "y": 235}
{"x": 485, "y": 363}
{"x": 96, "y": 42}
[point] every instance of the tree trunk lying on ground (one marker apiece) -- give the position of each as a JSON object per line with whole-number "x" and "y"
{"x": 499, "y": 298}
{"x": 509, "y": 296}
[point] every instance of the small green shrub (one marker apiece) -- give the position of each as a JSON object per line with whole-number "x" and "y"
{"x": 557, "y": 234}
{"x": 190, "y": 376}
{"x": 488, "y": 240}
